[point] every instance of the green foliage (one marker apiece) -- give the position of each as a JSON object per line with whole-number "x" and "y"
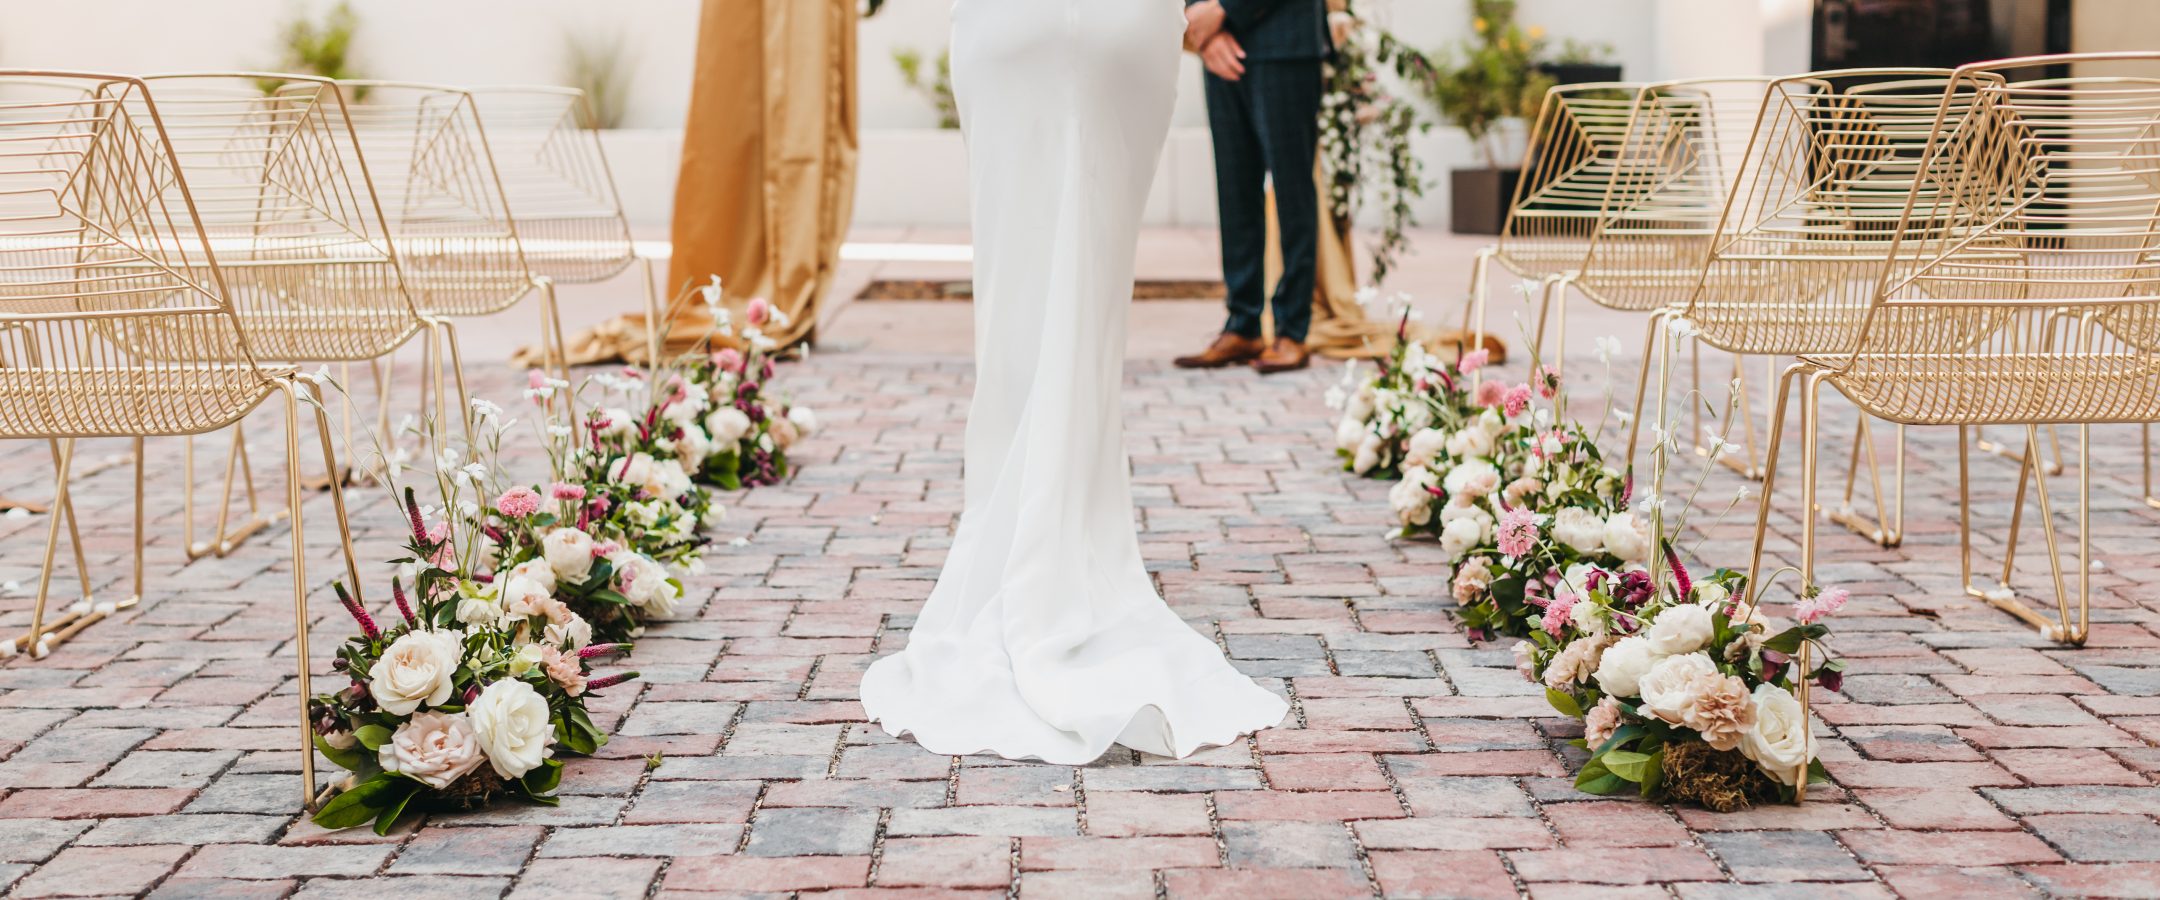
{"x": 1490, "y": 77}
{"x": 935, "y": 87}
{"x": 596, "y": 65}
{"x": 1365, "y": 130}
{"x": 323, "y": 49}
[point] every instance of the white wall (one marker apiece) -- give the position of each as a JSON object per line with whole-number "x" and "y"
{"x": 909, "y": 176}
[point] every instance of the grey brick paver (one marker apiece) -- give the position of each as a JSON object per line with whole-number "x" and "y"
{"x": 1972, "y": 758}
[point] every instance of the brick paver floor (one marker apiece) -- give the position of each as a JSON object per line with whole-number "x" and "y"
{"x": 152, "y": 754}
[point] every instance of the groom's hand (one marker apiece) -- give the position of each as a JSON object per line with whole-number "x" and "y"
{"x": 1224, "y": 57}
{"x": 1203, "y": 21}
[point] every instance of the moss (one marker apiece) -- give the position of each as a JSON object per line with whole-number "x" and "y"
{"x": 1718, "y": 780}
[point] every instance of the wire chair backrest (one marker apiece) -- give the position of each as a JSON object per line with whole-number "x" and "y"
{"x": 1575, "y": 148}
{"x": 283, "y": 194}
{"x": 2022, "y": 285}
{"x": 555, "y": 174}
{"x": 1684, "y": 146}
{"x": 429, "y": 158}
{"x": 113, "y": 317}
{"x": 1821, "y": 198}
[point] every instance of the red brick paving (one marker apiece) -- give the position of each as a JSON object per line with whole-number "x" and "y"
{"x": 1971, "y": 758}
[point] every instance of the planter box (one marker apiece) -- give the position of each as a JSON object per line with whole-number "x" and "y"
{"x": 1580, "y": 73}
{"x": 1478, "y": 199}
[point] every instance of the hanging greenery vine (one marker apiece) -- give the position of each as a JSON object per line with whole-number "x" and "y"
{"x": 1365, "y": 134}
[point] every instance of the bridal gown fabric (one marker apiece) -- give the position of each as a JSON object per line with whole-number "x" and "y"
{"x": 1044, "y": 637}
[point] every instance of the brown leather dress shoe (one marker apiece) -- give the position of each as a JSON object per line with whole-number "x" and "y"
{"x": 1229, "y": 347}
{"x": 1285, "y": 356}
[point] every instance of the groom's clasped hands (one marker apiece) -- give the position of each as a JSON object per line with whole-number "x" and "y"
{"x": 1206, "y": 35}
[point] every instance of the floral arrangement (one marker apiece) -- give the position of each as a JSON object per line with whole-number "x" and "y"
{"x": 474, "y": 690}
{"x": 1405, "y": 395}
{"x": 1684, "y": 692}
{"x": 1517, "y": 502}
{"x": 748, "y": 430}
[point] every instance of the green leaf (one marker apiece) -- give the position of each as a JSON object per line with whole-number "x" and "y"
{"x": 1564, "y": 702}
{"x": 1786, "y": 642}
{"x": 360, "y": 803}
{"x": 542, "y": 779}
{"x": 1628, "y": 764}
{"x": 1653, "y": 773}
{"x": 351, "y": 759}
{"x": 1595, "y": 779}
{"x": 395, "y": 809}
{"x": 1620, "y": 737}
{"x": 372, "y": 736}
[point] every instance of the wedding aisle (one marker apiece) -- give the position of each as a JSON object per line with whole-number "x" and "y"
{"x": 151, "y": 754}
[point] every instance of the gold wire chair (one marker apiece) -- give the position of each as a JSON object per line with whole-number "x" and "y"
{"x": 427, "y": 154}
{"x": 281, "y": 187}
{"x": 1685, "y": 144}
{"x": 561, "y": 193}
{"x": 1829, "y": 164}
{"x": 114, "y": 320}
{"x": 2022, "y": 288}
{"x": 1575, "y": 147}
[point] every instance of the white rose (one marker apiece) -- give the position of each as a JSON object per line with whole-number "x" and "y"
{"x": 1779, "y": 740}
{"x": 619, "y": 422}
{"x": 536, "y": 570}
{"x": 685, "y": 411}
{"x": 1368, "y": 455}
{"x": 669, "y": 479}
{"x": 511, "y": 722}
{"x": 1584, "y": 615}
{"x": 1668, "y": 689}
{"x": 1627, "y": 538}
{"x": 1348, "y": 433}
{"x": 1416, "y": 416}
{"x": 805, "y": 420}
{"x": 726, "y": 426}
{"x": 577, "y": 633}
{"x": 1680, "y": 629}
{"x": 417, "y": 670}
{"x": 1461, "y": 536}
{"x": 1411, "y": 497}
{"x": 1361, "y": 404}
{"x": 1580, "y": 529}
{"x": 1476, "y": 477}
{"x": 645, "y": 583}
{"x": 523, "y": 598}
{"x": 569, "y": 553}
{"x": 1425, "y": 446}
{"x": 692, "y": 447}
{"x": 635, "y": 469}
{"x": 432, "y": 748}
{"x": 1469, "y": 442}
{"x": 1621, "y": 669}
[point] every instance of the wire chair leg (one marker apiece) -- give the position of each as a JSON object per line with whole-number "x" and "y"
{"x": 1755, "y": 586}
{"x": 1642, "y": 383}
{"x": 658, "y": 327}
{"x": 35, "y": 642}
{"x": 1810, "y": 421}
{"x": 552, "y": 336}
{"x": 305, "y": 663}
{"x": 1474, "y": 309}
{"x": 457, "y": 370}
{"x": 2017, "y": 453}
{"x": 226, "y": 537}
{"x": 1887, "y": 528}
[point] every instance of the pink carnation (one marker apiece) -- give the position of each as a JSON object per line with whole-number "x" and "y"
{"x": 1518, "y": 531}
{"x": 1557, "y": 609}
{"x": 1516, "y": 400}
{"x": 566, "y": 491}
{"x": 1490, "y": 393}
{"x": 518, "y": 502}
{"x": 535, "y": 379}
{"x": 1473, "y": 361}
{"x": 1824, "y": 604}
{"x": 728, "y": 359}
{"x": 757, "y": 311}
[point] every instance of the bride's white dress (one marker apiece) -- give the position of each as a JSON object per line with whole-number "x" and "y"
{"x": 1044, "y": 637}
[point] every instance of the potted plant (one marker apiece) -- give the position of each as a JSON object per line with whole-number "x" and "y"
{"x": 1489, "y": 79}
{"x": 1581, "y": 62}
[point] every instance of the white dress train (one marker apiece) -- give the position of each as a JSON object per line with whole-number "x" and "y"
{"x": 1044, "y": 637}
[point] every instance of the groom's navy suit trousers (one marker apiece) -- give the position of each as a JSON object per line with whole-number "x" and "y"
{"x": 1267, "y": 124}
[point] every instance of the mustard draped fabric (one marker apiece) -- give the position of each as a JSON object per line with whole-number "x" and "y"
{"x": 768, "y": 170}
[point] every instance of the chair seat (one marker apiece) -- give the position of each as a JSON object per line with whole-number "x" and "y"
{"x": 2009, "y": 389}
{"x": 154, "y": 401}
